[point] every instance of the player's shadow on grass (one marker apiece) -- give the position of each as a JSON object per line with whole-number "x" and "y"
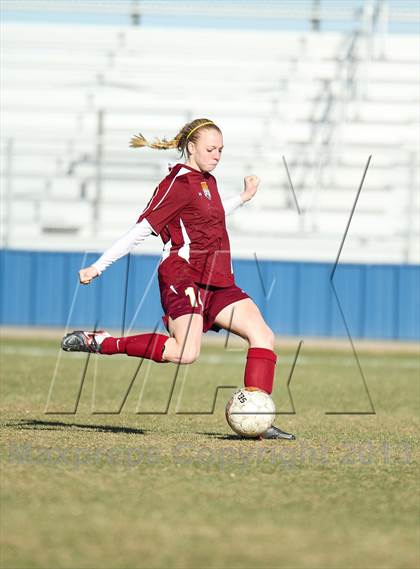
{"x": 223, "y": 436}
{"x": 56, "y": 425}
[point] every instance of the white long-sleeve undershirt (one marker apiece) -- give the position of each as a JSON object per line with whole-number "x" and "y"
{"x": 134, "y": 236}
{"x": 141, "y": 231}
{"x": 230, "y": 204}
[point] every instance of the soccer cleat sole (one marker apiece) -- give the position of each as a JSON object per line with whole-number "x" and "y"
{"x": 276, "y": 433}
{"x": 75, "y": 342}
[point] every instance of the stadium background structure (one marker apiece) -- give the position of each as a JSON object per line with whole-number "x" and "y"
{"x": 137, "y": 482}
{"x": 319, "y": 89}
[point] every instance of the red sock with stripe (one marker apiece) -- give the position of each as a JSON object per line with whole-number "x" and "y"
{"x": 149, "y": 346}
{"x": 260, "y": 368}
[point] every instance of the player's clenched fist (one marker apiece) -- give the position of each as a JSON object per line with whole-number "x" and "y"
{"x": 88, "y": 274}
{"x": 251, "y": 184}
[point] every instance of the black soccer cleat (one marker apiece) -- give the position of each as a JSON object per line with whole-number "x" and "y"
{"x": 80, "y": 341}
{"x": 276, "y": 433}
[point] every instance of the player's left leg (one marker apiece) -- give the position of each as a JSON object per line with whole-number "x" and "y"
{"x": 244, "y": 318}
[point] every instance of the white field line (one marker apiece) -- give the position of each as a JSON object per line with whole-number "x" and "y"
{"x": 235, "y": 358}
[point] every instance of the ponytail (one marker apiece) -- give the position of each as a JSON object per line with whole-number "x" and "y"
{"x": 138, "y": 141}
{"x": 188, "y": 133}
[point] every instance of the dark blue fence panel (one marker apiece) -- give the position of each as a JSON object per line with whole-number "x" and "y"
{"x": 112, "y": 294}
{"x": 282, "y": 307}
{"x": 348, "y": 302}
{"x": 408, "y": 302}
{"x": 49, "y": 285}
{"x": 82, "y": 301}
{"x": 315, "y": 299}
{"x": 381, "y": 302}
{"x": 296, "y": 298}
{"x": 16, "y": 287}
{"x": 144, "y": 310}
{"x": 247, "y": 276}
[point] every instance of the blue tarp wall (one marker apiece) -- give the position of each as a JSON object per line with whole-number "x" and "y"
{"x": 296, "y": 298}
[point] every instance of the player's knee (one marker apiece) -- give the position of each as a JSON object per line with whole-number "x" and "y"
{"x": 185, "y": 359}
{"x": 189, "y": 355}
{"x": 271, "y": 338}
{"x": 263, "y": 338}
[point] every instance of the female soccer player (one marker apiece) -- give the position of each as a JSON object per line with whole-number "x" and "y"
{"x": 196, "y": 280}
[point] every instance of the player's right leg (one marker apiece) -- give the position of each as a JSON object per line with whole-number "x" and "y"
{"x": 81, "y": 341}
{"x": 183, "y": 318}
{"x": 185, "y": 342}
{"x": 149, "y": 346}
{"x": 182, "y": 347}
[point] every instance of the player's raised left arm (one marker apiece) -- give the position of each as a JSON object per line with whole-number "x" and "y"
{"x": 251, "y": 184}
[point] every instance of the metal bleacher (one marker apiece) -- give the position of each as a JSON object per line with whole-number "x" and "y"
{"x": 320, "y": 103}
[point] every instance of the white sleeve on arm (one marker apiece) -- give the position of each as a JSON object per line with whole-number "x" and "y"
{"x": 138, "y": 233}
{"x": 230, "y": 204}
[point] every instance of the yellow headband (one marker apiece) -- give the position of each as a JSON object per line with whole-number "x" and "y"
{"x": 199, "y": 126}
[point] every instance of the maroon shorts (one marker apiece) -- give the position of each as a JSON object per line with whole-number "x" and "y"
{"x": 191, "y": 298}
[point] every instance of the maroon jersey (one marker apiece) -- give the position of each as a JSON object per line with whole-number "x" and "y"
{"x": 187, "y": 212}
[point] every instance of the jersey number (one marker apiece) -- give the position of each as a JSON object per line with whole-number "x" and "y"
{"x": 190, "y": 292}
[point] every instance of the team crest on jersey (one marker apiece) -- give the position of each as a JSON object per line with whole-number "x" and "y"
{"x": 206, "y": 190}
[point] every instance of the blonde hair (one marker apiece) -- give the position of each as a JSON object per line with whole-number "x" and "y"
{"x": 190, "y": 132}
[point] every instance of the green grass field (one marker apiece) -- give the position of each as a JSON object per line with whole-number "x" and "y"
{"x": 95, "y": 490}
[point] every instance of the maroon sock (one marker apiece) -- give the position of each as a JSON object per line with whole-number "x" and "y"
{"x": 259, "y": 369}
{"x": 149, "y": 346}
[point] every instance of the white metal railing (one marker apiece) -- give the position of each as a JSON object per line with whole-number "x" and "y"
{"x": 315, "y": 13}
{"x": 347, "y": 86}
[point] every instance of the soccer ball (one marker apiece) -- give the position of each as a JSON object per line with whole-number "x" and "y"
{"x": 250, "y": 411}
